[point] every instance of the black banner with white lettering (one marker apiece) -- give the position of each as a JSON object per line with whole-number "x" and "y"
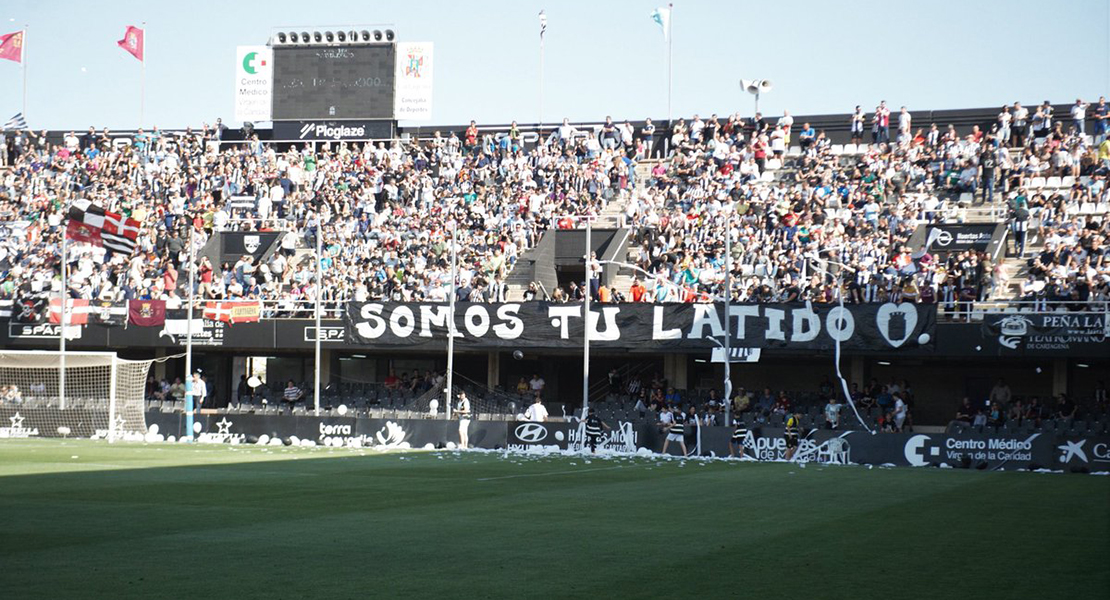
{"x": 1015, "y": 334}
{"x": 642, "y": 327}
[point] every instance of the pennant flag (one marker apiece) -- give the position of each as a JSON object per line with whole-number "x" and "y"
{"x": 16, "y": 122}
{"x": 77, "y": 308}
{"x": 233, "y": 312}
{"x": 543, "y": 24}
{"x": 146, "y": 313}
{"x": 11, "y": 46}
{"x": 132, "y": 42}
{"x": 662, "y": 16}
{"x": 98, "y": 227}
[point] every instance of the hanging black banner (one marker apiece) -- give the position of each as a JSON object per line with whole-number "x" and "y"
{"x": 642, "y": 327}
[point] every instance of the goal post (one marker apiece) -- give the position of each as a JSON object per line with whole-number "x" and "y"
{"x": 98, "y": 395}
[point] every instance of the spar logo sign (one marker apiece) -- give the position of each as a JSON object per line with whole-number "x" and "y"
{"x": 323, "y": 131}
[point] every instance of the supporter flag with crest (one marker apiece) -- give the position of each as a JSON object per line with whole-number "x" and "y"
{"x": 96, "y": 226}
{"x": 11, "y": 46}
{"x": 147, "y": 313}
{"x": 132, "y": 42}
{"x": 233, "y": 312}
{"x": 82, "y": 311}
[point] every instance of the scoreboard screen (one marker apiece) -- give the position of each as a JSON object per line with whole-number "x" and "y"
{"x": 333, "y": 82}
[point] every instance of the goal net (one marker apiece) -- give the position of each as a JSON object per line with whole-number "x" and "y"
{"x": 99, "y": 396}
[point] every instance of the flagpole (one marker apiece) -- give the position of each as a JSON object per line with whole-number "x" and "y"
{"x": 189, "y": 336}
{"x": 62, "y": 328}
{"x": 670, "y": 45}
{"x": 142, "y": 80}
{"x": 23, "y": 59}
{"x": 541, "y": 89}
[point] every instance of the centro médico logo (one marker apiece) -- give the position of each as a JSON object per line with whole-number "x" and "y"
{"x": 531, "y": 433}
{"x": 919, "y": 449}
{"x": 323, "y": 130}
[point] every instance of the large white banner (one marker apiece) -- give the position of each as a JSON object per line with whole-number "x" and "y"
{"x": 412, "y": 100}
{"x": 254, "y": 80}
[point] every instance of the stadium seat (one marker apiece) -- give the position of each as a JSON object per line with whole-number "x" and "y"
{"x": 1037, "y": 183}
{"x": 837, "y": 149}
{"x": 851, "y": 149}
{"x": 1052, "y": 182}
{"x": 794, "y": 151}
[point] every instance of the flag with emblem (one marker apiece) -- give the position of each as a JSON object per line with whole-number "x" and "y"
{"x": 11, "y": 46}
{"x": 233, "y": 312}
{"x": 132, "y": 42}
{"x": 108, "y": 313}
{"x": 146, "y": 313}
{"x": 94, "y": 225}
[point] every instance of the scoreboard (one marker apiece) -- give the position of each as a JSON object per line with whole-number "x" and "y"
{"x": 334, "y": 82}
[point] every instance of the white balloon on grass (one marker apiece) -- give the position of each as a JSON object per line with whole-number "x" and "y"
{"x": 342, "y": 410}
{"x": 263, "y": 439}
{"x": 197, "y": 427}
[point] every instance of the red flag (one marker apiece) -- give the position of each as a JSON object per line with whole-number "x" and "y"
{"x": 132, "y": 41}
{"x": 146, "y": 313}
{"x": 78, "y": 310}
{"x": 81, "y": 232}
{"x": 11, "y": 46}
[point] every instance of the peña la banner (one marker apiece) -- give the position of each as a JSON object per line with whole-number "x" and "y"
{"x": 643, "y": 327}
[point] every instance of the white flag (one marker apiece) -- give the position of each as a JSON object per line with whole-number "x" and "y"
{"x": 662, "y": 16}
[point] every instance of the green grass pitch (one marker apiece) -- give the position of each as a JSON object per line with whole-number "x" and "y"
{"x": 83, "y": 519}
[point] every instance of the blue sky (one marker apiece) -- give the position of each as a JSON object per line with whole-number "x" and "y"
{"x": 602, "y": 57}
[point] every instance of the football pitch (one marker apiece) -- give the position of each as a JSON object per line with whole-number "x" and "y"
{"x": 81, "y": 519}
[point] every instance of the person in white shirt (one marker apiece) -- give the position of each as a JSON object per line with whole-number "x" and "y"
{"x": 1079, "y": 116}
{"x": 536, "y": 384}
{"x": 536, "y": 413}
{"x": 199, "y": 391}
{"x": 900, "y": 410}
{"x": 905, "y": 121}
{"x": 462, "y": 410}
{"x": 832, "y": 414}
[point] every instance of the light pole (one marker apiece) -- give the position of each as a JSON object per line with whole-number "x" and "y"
{"x": 451, "y": 325}
{"x": 319, "y": 297}
{"x": 727, "y": 320}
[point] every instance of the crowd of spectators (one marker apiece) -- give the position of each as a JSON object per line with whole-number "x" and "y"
{"x": 833, "y": 218}
{"x": 807, "y": 220}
